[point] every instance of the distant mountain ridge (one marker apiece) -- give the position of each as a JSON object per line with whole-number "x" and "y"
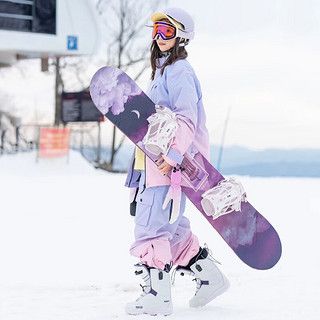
{"x": 269, "y": 162}
{"x": 240, "y": 161}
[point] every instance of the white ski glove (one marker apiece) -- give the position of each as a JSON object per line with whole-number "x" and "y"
{"x": 174, "y": 194}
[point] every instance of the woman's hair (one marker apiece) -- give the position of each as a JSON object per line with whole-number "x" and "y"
{"x": 177, "y": 53}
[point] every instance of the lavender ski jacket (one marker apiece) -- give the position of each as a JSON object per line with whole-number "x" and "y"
{"x": 178, "y": 89}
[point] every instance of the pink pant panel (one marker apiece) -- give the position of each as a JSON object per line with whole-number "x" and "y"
{"x": 159, "y": 252}
{"x": 154, "y": 253}
{"x": 183, "y": 251}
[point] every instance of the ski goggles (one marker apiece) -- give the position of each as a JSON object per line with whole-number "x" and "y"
{"x": 165, "y": 30}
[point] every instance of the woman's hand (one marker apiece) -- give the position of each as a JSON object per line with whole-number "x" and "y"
{"x": 164, "y": 167}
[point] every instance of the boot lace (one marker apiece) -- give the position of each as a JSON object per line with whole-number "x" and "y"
{"x": 210, "y": 254}
{"x": 145, "y": 290}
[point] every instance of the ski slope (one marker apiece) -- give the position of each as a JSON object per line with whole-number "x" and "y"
{"x": 65, "y": 233}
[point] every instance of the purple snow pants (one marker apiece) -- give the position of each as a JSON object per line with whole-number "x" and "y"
{"x": 157, "y": 242}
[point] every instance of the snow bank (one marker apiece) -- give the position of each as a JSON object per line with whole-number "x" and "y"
{"x": 65, "y": 232}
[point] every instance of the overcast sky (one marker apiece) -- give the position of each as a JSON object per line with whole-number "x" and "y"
{"x": 261, "y": 58}
{"x": 258, "y": 57}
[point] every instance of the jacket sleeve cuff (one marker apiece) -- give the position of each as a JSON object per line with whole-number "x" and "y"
{"x": 173, "y": 157}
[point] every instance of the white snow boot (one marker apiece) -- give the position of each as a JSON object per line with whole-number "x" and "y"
{"x": 211, "y": 282}
{"x": 156, "y": 296}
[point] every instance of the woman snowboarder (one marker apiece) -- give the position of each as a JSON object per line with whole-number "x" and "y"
{"x": 162, "y": 240}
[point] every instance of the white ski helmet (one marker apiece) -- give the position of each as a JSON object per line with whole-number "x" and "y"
{"x": 179, "y": 18}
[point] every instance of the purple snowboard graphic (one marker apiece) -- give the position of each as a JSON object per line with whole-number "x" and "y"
{"x": 248, "y": 233}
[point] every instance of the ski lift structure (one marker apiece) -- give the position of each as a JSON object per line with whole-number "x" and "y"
{"x": 47, "y": 28}
{"x": 33, "y": 29}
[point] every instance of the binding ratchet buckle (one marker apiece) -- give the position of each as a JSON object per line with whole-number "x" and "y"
{"x": 224, "y": 198}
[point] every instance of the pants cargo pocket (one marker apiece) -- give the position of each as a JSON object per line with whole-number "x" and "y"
{"x": 144, "y": 204}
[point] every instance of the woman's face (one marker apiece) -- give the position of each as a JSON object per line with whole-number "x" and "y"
{"x": 165, "y": 45}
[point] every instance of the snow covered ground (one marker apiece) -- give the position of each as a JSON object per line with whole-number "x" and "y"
{"x": 65, "y": 232}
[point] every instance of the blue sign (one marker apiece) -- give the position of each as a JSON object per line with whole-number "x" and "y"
{"x": 72, "y": 43}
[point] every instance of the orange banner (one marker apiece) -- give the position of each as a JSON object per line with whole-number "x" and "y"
{"x": 54, "y": 142}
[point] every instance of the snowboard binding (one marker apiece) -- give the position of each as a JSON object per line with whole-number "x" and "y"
{"x": 224, "y": 198}
{"x": 161, "y": 131}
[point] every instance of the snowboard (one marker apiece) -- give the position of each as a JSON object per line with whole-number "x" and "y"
{"x": 247, "y": 232}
